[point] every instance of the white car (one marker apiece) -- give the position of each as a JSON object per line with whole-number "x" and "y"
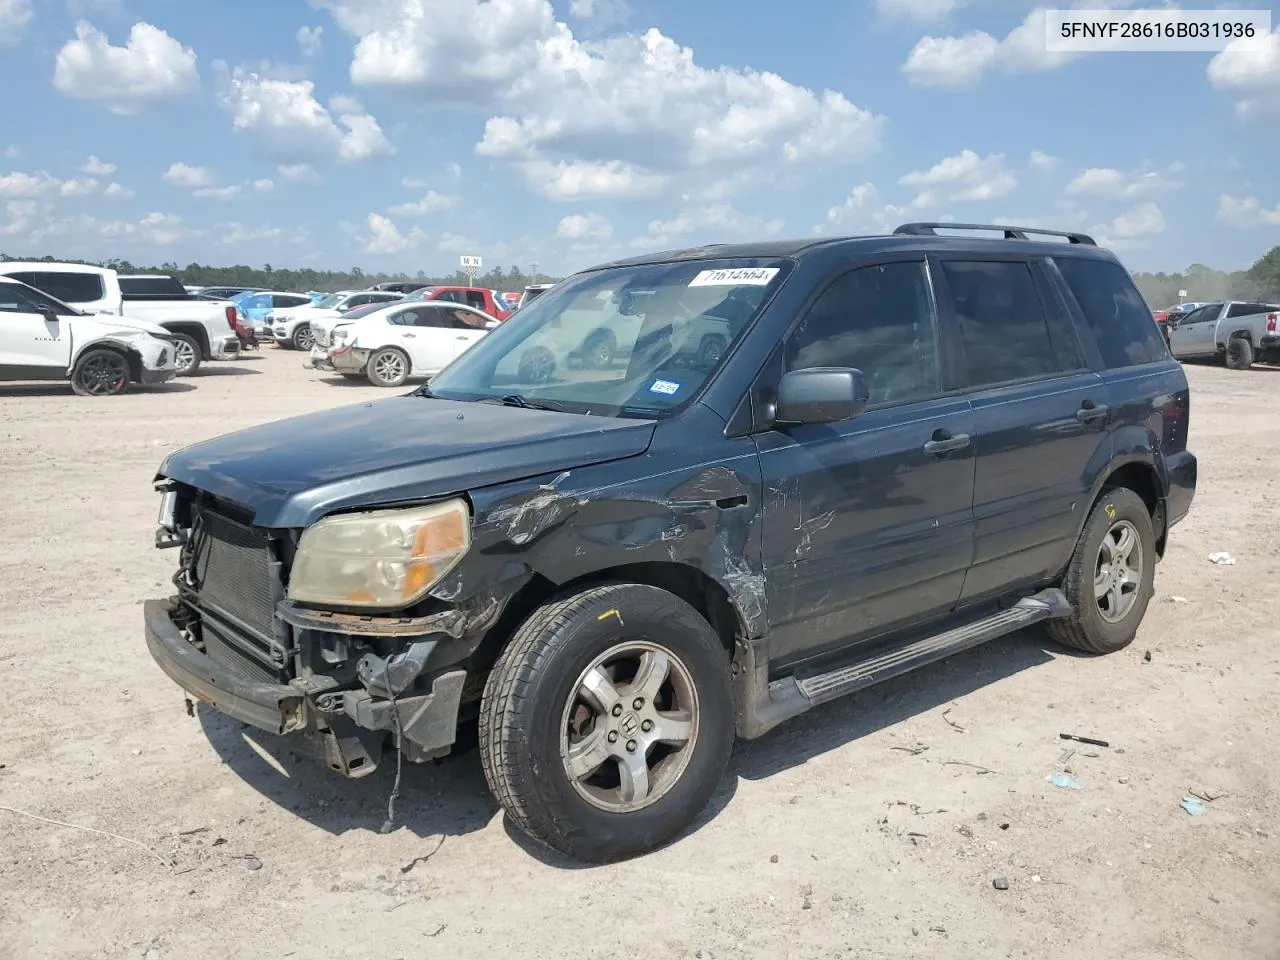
{"x": 292, "y": 328}
{"x": 45, "y": 339}
{"x": 387, "y": 345}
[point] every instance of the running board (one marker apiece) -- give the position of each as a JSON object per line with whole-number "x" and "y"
{"x": 791, "y": 696}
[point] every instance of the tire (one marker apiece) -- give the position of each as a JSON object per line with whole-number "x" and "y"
{"x": 534, "y": 694}
{"x": 302, "y": 338}
{"x": 1091, "y": 628}
{"x": 599, "y": 350}
{"x": 1239, "y": 354}
{"x": 187, "y": 354}
{"x": 537, "y": 365}
{"x": 100, "y": 373}
{"x": 388, "y": 367}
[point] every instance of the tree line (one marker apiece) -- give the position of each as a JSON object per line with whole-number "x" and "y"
{"x": 1261, "y": 281}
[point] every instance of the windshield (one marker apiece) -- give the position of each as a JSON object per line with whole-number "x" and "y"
{"x": 355, "y": 313}
{"x": 626, "y": 341}
{"x": 330, "y": 301}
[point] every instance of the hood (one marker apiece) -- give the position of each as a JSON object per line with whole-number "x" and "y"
{"x": 292, "y": 472}
{"x": 131, "y": 323}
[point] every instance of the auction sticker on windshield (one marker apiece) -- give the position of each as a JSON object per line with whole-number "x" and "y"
{"x": 743, "y": 276}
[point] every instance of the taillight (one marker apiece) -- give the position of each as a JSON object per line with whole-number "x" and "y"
{"x": 231, "y": 317}
{"x": 1271, "y": 322}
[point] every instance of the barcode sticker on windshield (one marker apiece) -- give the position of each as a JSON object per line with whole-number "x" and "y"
{"x": 743, "y": 276}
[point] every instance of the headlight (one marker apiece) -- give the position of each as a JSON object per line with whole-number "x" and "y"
{"x": 384, "y": 559}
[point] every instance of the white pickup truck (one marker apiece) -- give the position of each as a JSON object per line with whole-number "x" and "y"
{"x": 202, "y": 329}
{"x": 1237, "y": 331}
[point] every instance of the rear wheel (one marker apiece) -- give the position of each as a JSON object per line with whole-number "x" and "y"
{"x": 186, "y": 354}
{"x": 1239, "y": 354}
{"x": 1111, "y": 577}
{"x": 607, "y": 722}
{"x": 388, "y": 367}
{"x": 100, "y": 373}
{"x": 537, "y": 365}
{"x": 599, "y": 350}
{"x": 711, "y": 349}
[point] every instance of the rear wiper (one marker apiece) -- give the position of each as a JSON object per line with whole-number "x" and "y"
{"x": 515, "y": 400}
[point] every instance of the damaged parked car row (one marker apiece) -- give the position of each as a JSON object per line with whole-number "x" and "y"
{"x": 905, "y": 446}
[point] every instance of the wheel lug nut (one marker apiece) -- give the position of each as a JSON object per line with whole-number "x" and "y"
{"x": 631, "y": 746}
{"x": 639, "y": 702}
{"x": 617, "y": 709}
{"x": 613, "y": 736}
{"x": 647, "y": 726}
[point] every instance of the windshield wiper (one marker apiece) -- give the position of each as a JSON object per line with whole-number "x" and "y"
{"x": 515, "y": 400}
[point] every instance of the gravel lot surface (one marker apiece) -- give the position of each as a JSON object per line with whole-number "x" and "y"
{"x": 873, "y": 827}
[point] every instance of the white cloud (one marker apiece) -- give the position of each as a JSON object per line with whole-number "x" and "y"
{"x": 1144, "y": 220}
{"x": 611, "y": 179}
{"x": 298, "y": 173}
{"x": 588, "y": 226}
{"x": 96, "y": 168}
{"x": 710, "y": 223}
{"x": 627, "y": 111}
{"x": 183, "y": 175}
{"x": 1253, "y": 74}
{"x": 18, "y": 185}
{"x": 453, "y": 171}
{"x": 960, "y": 61}
{"x": 963, "y": 177}
{"x": 1112, "y": 184}
{"x": 1247, "y": 213}
{"x": 116, "y": 191}
{"x": 920, "y": 11}
{"x": 218, "y": 193}
{"x": 264, "y": 185}
{"x": 431, "y": 202}
{"x": 14, "y": 17}
{"x": 310, "y": 40}
{"x": 150, "y": 69}
{"x": 87, "y": 236}
{"x": 1041, "y": 160}
{"x": 386, "y": 238}
{"x": 236, "y": 234}
{"x": 12, "y": 152}
{"x": 289, "y": 123}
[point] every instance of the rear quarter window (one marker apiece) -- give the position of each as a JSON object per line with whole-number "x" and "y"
{"x": 1117, "y": 316}
{"x": 68, "y": 287}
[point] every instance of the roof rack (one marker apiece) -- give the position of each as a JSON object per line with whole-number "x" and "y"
{"x": 1010, "y": 233}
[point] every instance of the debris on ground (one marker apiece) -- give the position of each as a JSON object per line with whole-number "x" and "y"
{"x": 1000, "y": 883}
{"x": 1208, "y": 796}
{"x": 955, "y": 726}
{"x": 915, "y": 751}
{"x": 252, "y": 862}
{"x": 1176, "y": 599}
{"x": 1079, "y": 739}
{"x": 424, "y": 858}
{"x": 1222, "y": 558}
{"x": 1063, "y": 780}
{"x": 1146, "y": 657}
{"x": 1194, "y": 806}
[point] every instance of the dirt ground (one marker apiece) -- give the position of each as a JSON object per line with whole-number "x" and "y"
{"x": 873, "y": 827}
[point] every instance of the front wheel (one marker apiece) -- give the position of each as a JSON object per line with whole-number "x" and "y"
{"x": 186, "y": 354}
{"x": 1111, "y": 577}
{"x": 607, "y": 722}
{"x": 100, "y": 373}
{"x": 387, "y": 368}
{"x": 303, "y": 338}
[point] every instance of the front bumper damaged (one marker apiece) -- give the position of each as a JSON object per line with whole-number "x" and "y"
{"x": 349, "y": 728}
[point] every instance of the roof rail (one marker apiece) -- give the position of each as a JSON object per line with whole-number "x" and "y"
{"x": 1010, "y": 233}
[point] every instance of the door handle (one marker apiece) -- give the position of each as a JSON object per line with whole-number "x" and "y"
{"x": 944, "y": 441}
{"x": 461, "y": 337}
{"x": 410, "y": 335}
{"x": 1089, "y": 412}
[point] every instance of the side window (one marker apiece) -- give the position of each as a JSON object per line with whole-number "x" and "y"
{"x": 1121, "y": 323}
{"x": 359, "y": 300}
{"x": 475, "y": 299}
{"x": 433, "y": 317}
{"x": 13, "y": 299}
{"x": 1245, "y": 309}
{"x": 450, "y": 296}
{"x": 880, "y": 320}
{"x": 70, "y": 288}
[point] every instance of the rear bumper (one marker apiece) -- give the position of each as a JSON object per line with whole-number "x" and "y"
{"x": 225, "y": 348}
{"x": 1182, "y": 469}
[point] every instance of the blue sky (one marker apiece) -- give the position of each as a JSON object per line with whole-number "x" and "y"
{"x": 399, "y": 134}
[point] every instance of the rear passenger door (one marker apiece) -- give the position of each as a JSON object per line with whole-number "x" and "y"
{"x": 1040, "y": 417}
{"x": 868, "y": 523}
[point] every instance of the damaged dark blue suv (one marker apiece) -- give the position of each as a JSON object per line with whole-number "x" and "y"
{"x": 798, "y": 469}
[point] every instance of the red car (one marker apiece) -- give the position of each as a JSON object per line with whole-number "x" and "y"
{"x": 490, "y": 301}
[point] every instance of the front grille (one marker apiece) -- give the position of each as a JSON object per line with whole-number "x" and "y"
{"x": 238, "y": 654}
{"x": 234, "y": 575}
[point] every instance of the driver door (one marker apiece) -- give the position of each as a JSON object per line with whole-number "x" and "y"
{"x": 31, "y": 345}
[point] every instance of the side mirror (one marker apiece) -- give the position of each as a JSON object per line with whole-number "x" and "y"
{"x": 821, "y": 395}
{"x": 50, "y": 314}
{"x": 343, "y": 307}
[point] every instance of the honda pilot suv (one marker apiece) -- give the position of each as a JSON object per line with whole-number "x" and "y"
{"x": 908, "y": 445}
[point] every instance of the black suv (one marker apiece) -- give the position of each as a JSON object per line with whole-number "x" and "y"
{"x": 908, "y": 445}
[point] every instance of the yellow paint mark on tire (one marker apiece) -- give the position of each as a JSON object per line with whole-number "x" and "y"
{"x": 1110, "y": 511}
{"x": 611, "y": 613}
